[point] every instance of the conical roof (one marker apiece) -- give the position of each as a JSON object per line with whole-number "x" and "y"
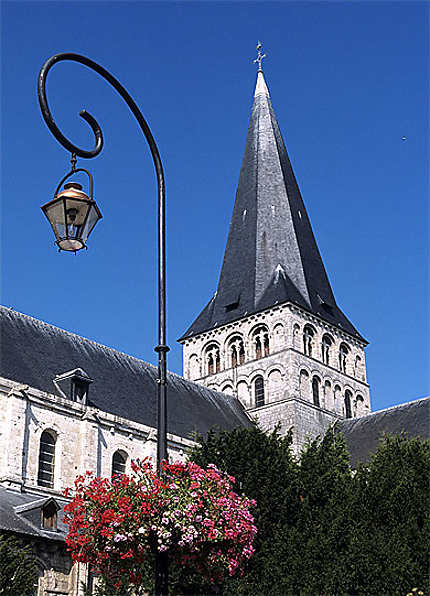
{"x": 271, "y": 255}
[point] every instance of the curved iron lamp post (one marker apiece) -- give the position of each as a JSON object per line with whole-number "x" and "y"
{"x": 73, "y": 240}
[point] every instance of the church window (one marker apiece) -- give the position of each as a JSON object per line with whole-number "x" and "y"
{"x": 316, "y": 391}
{"x": 261, "y": 342}
{"x": 308, "y": 337}
{"x": 259, "y": 392}
{"x": 327, "y": 392}
{"x": 327, "y": 342}
{"x": 119, "y": 461}
{"x": 236, "y": 351}
{"x": 357, "y": 367}
{"x": 45, "y": 476}
{"x": 348, "y": 407}
{"x": 212, "y": 359}
{"x": 343, "y": 356}
{"x": 296, "y": 339}
{"x": 48, "y": 515}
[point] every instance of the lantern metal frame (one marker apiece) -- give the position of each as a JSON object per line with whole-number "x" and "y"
{"x": 161, "y": 563}
{"x": 91, "y": 202}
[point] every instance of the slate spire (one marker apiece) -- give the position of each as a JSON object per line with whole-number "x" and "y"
{"x": 271, "y": 255}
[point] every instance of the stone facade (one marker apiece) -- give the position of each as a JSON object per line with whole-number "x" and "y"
{"x": 85, "y": 439}
{"x": 286, "y": 366}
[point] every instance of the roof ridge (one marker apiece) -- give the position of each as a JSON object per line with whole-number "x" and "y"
{"x": 91, "y": 341}
{"x": 395, "y": 407}
{"x": 81, "y": 337}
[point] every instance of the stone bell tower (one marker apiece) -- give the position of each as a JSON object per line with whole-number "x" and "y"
{"x": 273, "y": 334}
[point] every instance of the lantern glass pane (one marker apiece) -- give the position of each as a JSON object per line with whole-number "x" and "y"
{"x": 93, "y": 218}
{"x": 76, "y": 210}
{"x": 55, "y": 215}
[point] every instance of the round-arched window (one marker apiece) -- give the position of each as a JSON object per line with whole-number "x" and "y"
{"x": 119, "y": 461}
{"x": 308, "y": 339}
{"x": 45, "y": 475}
{"x": 259, "y": 391}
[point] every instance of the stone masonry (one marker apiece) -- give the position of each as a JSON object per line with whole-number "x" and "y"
{"x": 302, "y": 387}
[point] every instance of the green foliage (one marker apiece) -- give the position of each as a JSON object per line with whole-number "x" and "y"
{"x": 322, "y": 528}
{"x": 391, "y": 505}
{"x": 266, "y": 471}
{"x": 18, "y": 569}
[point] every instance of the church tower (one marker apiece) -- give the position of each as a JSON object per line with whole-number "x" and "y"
{"x": 272, "y": 334}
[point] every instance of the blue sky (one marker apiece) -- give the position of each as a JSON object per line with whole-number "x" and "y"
{"x": 348, "y": 80}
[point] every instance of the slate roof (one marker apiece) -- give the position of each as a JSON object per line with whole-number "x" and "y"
{"x": 271, "y": 255}
{"x": 33, "y": 352}
{"x": 362, "y": 435}
{"x": 27, "y": 522}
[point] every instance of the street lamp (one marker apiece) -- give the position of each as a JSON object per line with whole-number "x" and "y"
{"x": 73, "y": 214}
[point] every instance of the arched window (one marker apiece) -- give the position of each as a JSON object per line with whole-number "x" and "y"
{"x": 327, "y": 342}
{"x": 348, "y": 407}
{"x": 259, "y": 392}
{"x": 308, "y": 336}
{"x": 261, "y": 341}
{"x": 296, "y": 336}
{"x": 212, "y": 359}
{"x": 45, "y": 476}
{"x": 343, "y": 355}
{"x": 236, "y": 351}
{"x": 119, "y": 461}
{"x": 316, "y": 391}
{"x": 327, "y": 394}
{"x": 304, "y": 384}
{"x": 227, "y": 389}
{"x": 357, "y": 367}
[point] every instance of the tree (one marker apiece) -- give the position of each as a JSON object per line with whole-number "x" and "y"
{"x": 18, "y": 569}
{"x": 323, "y": 528}
{"x": 266, "y": 471}
{"x": 391, "y": 508}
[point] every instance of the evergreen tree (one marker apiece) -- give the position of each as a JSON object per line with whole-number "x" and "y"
{"x": 18, "y": 569}
{"x": 391, "y": 509}
{"x": 266, "y": 471}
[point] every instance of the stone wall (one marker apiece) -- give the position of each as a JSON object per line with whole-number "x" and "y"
{"x": 292, "y": 368}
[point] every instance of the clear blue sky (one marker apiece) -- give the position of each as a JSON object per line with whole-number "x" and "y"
{"x": 347, "y": 79}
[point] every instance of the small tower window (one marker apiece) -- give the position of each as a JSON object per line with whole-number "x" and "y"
{"x": 45, "y": 476}
{"x": 259, "y": 392}
{"x": 308, "y": 337}
{"x": 119, "y": 461}
{"x": 327, "y": 342}
{"x": 343, "y": 356}
{"x": 348, "y": 407}
{"x": 261, "y": 342}
{"x": 212, "y": 359}
{"x": 236, "y": 351}
{"x": 316, "y": 391}
{"x": 357, "y": 367}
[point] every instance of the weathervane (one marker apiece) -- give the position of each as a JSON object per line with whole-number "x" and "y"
{"x": 260, "y": 57}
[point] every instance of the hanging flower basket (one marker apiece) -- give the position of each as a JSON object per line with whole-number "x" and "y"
{"x": 117, "y": 524}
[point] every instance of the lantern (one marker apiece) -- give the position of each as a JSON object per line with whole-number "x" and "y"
{"x": 72, "y": 214}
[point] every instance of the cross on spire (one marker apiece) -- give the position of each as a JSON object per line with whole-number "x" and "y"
{"x": 260, "y": 57}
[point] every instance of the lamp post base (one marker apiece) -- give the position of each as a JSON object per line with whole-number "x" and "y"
{"x": 161, "y": 574}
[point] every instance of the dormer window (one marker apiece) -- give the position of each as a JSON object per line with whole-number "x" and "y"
{"x": 74, "y": 385}
{"x": 48, "y": 515}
